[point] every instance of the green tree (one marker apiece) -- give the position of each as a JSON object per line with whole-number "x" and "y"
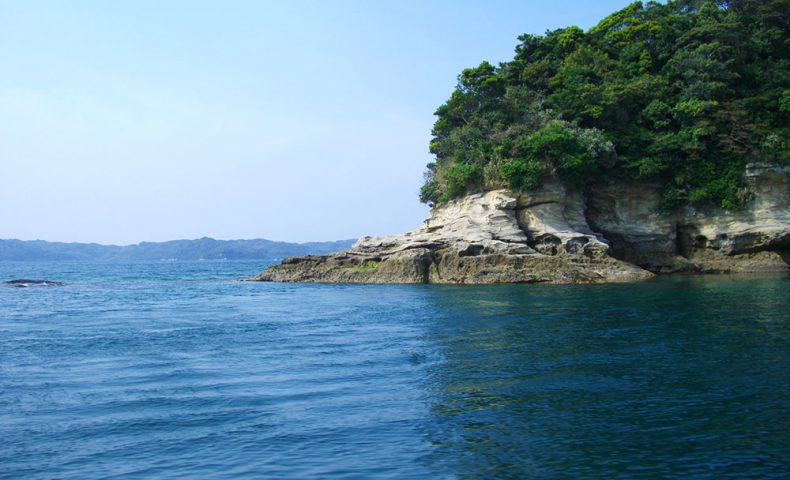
{"x": 684, "y": 93}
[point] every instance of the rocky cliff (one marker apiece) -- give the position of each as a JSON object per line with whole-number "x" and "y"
{"x": 753, "y": 239}
{"x": 611, "y": 232}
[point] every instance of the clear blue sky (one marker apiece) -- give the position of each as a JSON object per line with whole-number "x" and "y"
{"x": 145, "y": 120}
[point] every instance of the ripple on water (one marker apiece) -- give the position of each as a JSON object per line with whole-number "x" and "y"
{"x": 173, "y": 370}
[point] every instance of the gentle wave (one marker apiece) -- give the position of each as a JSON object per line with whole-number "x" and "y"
{"x": 177, "y": 371}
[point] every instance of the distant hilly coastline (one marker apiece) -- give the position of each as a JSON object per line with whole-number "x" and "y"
{"x": 175, "y": 250}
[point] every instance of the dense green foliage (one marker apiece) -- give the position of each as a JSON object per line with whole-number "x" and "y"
{"x": 684, "y": 93}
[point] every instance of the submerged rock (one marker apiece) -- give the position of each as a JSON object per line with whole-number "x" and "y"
{"x": 24, "y": 282}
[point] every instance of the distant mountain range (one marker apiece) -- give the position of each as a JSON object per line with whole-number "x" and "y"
{"x": 175, "y": 250}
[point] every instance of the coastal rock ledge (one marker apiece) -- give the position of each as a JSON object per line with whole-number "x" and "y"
{"x": 611, "y": 233}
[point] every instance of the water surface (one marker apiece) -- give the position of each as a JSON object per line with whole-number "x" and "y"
{"x": 175, "y": 370}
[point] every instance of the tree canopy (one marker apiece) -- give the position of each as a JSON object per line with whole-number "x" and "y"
{"x": 684, "y": 94}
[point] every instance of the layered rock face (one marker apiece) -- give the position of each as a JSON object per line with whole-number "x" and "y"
{"x": 713, "y": 240}
{"x": 754, "y": 239}
{"x": 610, "y": 233}
{"x": 496, "y": 237}
{"x": 629, "y": 217}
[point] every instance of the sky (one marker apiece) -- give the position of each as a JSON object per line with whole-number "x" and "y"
{"x": 295, "y": 120}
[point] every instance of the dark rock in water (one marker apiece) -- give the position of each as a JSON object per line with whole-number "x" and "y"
{"x": 24, "y": 282}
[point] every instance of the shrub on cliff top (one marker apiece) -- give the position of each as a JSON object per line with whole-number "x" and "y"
{"x": 684, "y": 93}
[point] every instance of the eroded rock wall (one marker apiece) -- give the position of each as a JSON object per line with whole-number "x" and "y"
{"x": 554, "y": 222}
{"x": 756, "y": 238}
{"x": 629, "y": 216}
{"x": 611, "y": 232}
{"x": 496, "y": 237}
{"x": 753, "y": 239}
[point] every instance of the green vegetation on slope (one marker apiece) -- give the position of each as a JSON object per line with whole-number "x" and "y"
{"x": 684, "y": 93}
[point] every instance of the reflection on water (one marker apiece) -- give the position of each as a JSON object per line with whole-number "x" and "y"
{"x": 174, "y": 370}
{"x": 683, "y": 376}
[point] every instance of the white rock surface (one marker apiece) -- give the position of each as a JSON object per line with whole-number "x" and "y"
{"x": 553, "y": 219}
{"x": 501, "y": 221}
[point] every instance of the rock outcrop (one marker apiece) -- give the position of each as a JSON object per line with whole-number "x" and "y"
{"x": 496, "y": 237}
{"x": 754, "y": 239}
{"x": 712, "y": 240}
{"x": 610, "y": 233}
{"x": 629, "y": 217}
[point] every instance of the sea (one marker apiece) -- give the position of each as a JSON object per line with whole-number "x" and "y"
{"x": 177, "y": 370}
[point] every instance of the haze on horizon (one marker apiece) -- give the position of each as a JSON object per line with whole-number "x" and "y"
{"x": 291, "y": 121}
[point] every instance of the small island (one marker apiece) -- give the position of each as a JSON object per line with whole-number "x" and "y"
{"x": 655, "y": 142}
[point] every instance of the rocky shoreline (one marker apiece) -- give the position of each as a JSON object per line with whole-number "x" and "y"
{"x": 610, "y": 233}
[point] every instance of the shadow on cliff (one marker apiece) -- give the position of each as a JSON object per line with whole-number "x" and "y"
{"x": 785, "y": 254}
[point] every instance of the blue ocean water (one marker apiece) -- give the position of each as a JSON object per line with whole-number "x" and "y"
{"x": 174, "y": 370}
